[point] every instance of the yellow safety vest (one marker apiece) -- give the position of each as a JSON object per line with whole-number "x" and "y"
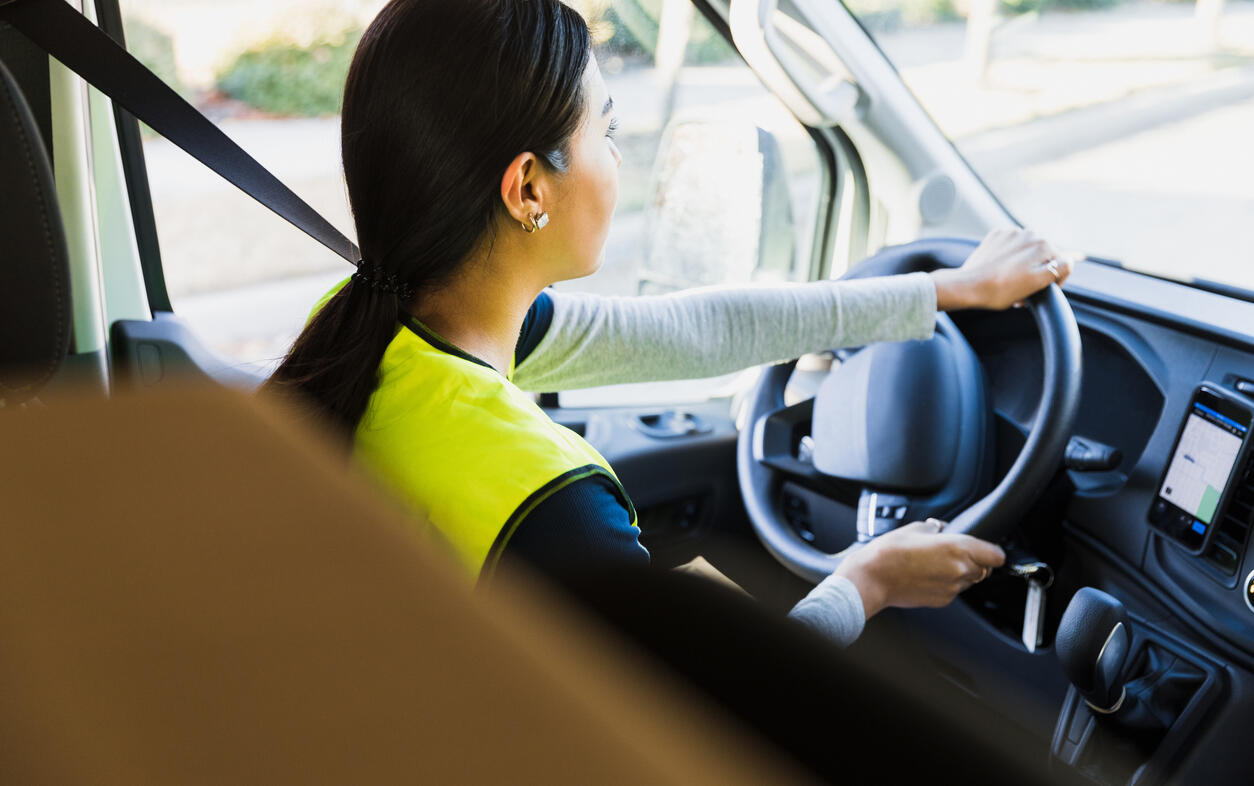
{"x": 464, "y": 447}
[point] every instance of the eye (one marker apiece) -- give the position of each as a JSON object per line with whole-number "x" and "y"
{"x": 612, "y": 130}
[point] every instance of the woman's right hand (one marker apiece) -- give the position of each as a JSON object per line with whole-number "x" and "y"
{"x": 1008, "y": 266}
{"x": 918, "y": 565}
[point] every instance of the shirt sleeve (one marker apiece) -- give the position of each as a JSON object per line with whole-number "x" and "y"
{"x": 594, "y": 340}
{"x": 582, "y": 529}
{"x": 833, "y": 609}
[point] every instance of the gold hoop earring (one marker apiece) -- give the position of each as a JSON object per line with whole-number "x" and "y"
{"x": 537, "y": 223}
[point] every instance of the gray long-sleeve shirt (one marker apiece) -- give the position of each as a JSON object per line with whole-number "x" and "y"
{"x": 595, "y": 340}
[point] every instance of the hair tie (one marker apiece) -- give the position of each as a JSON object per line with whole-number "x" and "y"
{"x": 374, "y": 276}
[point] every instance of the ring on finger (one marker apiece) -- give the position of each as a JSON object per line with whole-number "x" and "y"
{"x": 1052, "y": 267}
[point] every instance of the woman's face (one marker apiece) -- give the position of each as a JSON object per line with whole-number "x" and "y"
{"x": 589, "y": 190}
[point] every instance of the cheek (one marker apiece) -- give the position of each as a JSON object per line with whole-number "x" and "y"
{"x": 598, "y": 190}
{"x": 608, "y": 186}
{"x": 592, "y": 199}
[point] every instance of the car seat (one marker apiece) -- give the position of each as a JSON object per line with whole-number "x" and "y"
{"x": 36, "y": 315}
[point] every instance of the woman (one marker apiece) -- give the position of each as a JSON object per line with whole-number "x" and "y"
{"x": 481, "y": 168}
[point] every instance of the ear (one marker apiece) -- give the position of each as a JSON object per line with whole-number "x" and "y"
{"x": 524, "y": 187}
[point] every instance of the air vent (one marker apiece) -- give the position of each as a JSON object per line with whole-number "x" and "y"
{"x": 1235, "y": 522}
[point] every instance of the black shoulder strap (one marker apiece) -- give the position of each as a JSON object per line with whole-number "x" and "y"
{"x": 82, "y": 47}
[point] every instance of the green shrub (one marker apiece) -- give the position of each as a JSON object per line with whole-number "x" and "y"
{"x": 285, "y": 78}
{"x": 887, "y": 16}
{"x": 155, "y": 49}
{"x": 1024, "y": 6}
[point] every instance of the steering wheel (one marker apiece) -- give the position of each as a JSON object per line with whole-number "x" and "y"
{"x": 910, "y": 425}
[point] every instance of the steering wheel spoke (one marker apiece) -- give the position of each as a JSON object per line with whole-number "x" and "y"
{"x": 782, "y": 440}
{"x": 782, "y": 444}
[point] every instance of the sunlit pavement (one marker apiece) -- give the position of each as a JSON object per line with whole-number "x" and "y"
{"x": 1119, "y": 126}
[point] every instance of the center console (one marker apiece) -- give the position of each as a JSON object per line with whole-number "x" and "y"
{"x": 1139, "y": 697}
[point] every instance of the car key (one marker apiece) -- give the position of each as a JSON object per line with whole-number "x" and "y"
{"x": 1039, "y": 577}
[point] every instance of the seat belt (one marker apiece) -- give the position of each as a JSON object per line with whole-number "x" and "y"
{"x": 85, "y": 49}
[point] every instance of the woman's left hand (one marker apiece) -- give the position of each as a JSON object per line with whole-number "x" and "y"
{"x": 1007, "y": 267}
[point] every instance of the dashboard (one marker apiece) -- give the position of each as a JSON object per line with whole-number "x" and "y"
{"x": 1177, "y": 511}
{"x": 1149, "y": 352}
{"x": 1183, "y": 572}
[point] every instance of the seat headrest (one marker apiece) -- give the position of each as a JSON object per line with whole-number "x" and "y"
{"x": 35, "y": 312}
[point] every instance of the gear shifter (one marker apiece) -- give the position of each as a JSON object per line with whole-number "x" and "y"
{"x": 1093, "y": 641}
{"x": 1143, "y": 694}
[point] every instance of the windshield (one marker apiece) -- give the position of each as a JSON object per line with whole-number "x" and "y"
{"x": 1122, "y": 129}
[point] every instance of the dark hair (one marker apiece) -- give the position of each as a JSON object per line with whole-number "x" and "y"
{"x": 441, "y": 96}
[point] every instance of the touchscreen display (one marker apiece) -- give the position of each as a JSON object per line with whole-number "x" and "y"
{"x": 1199, "y": 470}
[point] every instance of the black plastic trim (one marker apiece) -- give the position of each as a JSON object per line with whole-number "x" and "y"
{"x": 135, "y": 172}
{"x": 716, "y": 21}
{"x": 1165, "y": 319}
{"x": 1204, "y": 284}
{"x": 821, "y": 257}
{"x": 145, "y": 354}
{"x": 1228, "y": 648}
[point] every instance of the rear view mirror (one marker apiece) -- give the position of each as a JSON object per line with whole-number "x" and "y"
{"x": 719, "y": 210}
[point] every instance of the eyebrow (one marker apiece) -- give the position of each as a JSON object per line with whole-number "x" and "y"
{"x": 608, "y": 106}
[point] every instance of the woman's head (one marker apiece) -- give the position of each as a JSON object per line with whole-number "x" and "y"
{"x": 442, "y": 98}
{"x": 461, "y": 120}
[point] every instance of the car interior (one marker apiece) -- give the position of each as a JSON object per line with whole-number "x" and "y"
{"x": 1101, "y": 434}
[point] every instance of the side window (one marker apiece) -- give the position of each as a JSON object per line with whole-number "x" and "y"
{"x": 271, "y": 76}
{"x": 719, "y": 183}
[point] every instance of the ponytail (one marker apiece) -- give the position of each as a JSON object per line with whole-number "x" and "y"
{"x": 334, "y": 365}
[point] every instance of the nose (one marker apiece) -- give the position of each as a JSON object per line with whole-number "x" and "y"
{"x": 618, "y": 157}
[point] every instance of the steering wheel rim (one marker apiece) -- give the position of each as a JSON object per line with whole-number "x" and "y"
{"x": 991, "y": 517}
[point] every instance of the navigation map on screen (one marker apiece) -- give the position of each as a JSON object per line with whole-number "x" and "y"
{"x": 1209, "y": 446}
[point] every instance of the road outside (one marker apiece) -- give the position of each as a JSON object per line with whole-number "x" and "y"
{"x": 1121, "y": 132}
